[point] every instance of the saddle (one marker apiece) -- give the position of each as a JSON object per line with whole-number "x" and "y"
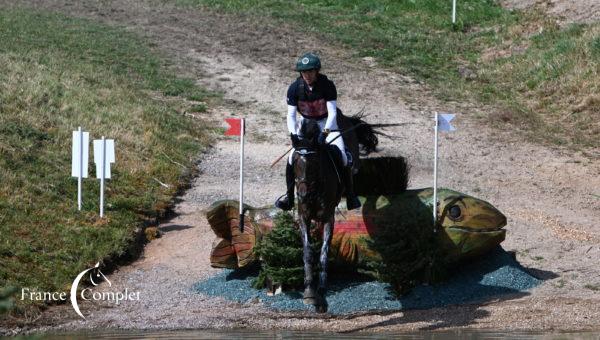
{"x": 338, "y": 162}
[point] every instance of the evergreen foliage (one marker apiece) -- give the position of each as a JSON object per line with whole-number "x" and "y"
{"x": 408, "y": 249}
{"x": 280, "y": 253}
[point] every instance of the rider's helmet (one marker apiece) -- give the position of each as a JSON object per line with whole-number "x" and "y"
{"x": 308, "y": 61}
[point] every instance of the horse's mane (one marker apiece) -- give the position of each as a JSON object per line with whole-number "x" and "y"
{"x": 310, "y": 132}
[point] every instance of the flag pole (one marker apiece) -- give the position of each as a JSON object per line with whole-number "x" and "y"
{"x": 79, "y": 179}
{"x": 242, "y": 132}
{"x": 435, "y": 163}
{"x": 102, "y": 177}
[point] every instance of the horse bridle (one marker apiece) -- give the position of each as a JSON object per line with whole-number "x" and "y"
{"x": 310, "y": 185}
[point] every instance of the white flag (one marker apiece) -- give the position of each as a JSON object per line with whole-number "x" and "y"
{"x": 444, "y": 122}
{"x": 110, "y": 156}
{"x": 78, "y": 157}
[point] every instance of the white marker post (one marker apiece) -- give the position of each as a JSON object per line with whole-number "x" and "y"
{"x": 453, "y": 11}
{"x": 79, "y": 163}
{"x": 442, "y": 124}
{"x": 242, "y": 133}
{"x": 103, "y": 176}
{"x": 237, "y": 127}
{"x": 104, "y": 154}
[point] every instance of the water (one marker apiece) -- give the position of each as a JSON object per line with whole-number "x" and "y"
{"x": 248, "y": 334}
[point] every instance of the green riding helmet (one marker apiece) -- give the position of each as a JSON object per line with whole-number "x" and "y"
{"x": 308, "y": 61}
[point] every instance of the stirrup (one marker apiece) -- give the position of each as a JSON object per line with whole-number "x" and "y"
{"x": 283, "y": 203}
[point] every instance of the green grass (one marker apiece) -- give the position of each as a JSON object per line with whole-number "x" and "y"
{"x": 594, "y": 287}
{"x": 198, "y": 108}
{"x": 541, "y": 78}
{"x": 415, "y": 36}
{"x": 560, "y": 283}
{"x": 57, "y": 73}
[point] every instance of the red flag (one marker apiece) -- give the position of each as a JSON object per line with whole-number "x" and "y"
{"x": 235, "y": 126}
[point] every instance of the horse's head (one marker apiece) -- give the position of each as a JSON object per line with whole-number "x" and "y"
{"x": 309, "y": 134}
{"x": 306, "y": 161}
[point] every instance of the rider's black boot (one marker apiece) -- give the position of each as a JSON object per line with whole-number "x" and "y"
{"x": 287, "y": 202}
{"x": 352, "y": 201}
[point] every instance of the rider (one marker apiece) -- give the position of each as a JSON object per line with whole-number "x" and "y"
{"x": 314, "y": 97}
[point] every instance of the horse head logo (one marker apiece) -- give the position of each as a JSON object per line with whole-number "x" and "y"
{"x": 94, "y": 271}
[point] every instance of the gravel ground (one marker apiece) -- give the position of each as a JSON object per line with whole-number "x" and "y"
{"x": 548, "y": 195}
{"x": 496, "y": 276}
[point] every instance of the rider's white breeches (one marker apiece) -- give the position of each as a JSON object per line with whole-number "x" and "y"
{"x": 339, "y": 142}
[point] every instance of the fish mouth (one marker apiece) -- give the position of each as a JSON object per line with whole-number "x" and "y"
{"x": 479, "y": 230}
{"x": 465, "y": 242}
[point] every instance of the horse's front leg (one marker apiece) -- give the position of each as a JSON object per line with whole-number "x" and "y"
{"x": 327, "y": 234}
{"x": 309, "y": 291}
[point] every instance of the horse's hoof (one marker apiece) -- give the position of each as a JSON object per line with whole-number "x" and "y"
{"x": 310, "y": 297}
{"x": 321, "y": 308}
{"x": 321, "y": 305}
{"x": 310, "y": 301}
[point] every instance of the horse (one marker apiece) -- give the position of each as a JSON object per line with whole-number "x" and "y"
{"x": 319, "y": 191}
{"x": 317, "y": 169}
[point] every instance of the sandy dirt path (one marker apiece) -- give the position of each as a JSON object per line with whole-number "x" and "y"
{"x": 568, "y": 11}
{"x": 549, "y": 196}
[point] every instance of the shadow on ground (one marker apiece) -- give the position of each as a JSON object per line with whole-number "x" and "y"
{"x": 496, "y": 276}
{"x": 173, "y": 227}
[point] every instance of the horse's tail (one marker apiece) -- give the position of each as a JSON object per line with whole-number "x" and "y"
{"x": 366, "y": 134}
{"x": 231, "y": 248}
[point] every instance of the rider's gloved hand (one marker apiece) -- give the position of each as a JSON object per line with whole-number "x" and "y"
{"x": 323, "y": 136}
{"x": 295, "y": 139}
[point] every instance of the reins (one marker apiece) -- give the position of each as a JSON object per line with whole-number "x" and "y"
{"x": 342, "y": 132}
{"x": 306, "y": 151}
{"x": 328, "y": 143}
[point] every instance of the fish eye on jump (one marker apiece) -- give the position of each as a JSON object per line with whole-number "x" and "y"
{"x": 454, "y": 212}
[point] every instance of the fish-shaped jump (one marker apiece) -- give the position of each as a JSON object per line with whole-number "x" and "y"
{"x": 467, "y": 226}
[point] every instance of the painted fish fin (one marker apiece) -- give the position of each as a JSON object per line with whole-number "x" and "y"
{"x": 231, "y": 249}
{"x": 223, "y": 254}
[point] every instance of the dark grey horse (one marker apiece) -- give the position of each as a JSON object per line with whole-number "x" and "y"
{"x": 317, "y": 169}
{"x": 319, "y": 191}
